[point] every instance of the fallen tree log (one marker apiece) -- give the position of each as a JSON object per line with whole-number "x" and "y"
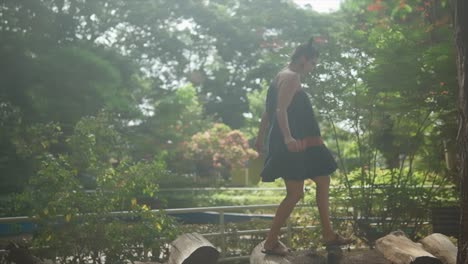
{"x": 331, "y": 256}
{"x": 441, "y": 247}
{"x": 192, "y": 248}
{"x": 371, "y": 256}
{"x": 399, "y": 249}
{"x": 298, "y": 257}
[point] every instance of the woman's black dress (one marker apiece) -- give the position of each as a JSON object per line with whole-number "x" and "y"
{"x": 279, "y": 162}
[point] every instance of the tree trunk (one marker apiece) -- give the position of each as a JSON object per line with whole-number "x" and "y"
{"x": 461, "y": 38}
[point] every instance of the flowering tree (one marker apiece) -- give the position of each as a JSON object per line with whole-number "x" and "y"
{"x": 217, "y": 150}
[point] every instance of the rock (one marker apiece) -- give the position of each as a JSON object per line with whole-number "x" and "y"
{"x": 399, "y": 249}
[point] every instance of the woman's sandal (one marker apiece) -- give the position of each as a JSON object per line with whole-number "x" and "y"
{"x": 338, "y": 241}
{"x": 278, "y": 250}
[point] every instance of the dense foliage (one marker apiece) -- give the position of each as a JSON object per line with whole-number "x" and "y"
{"x": 121, "y": 96}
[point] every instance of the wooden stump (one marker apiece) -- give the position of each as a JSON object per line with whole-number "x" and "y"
{"x": 299, "y": 257}
{"x": 370, "y": 256}
{"x": 399, "y": 249}
{"x": 192, "y": 249}
{"x": 440, "y": 246}
{"x": 332, "y": 255}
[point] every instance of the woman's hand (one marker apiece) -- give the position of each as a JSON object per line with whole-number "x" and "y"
{"x": 258, "y": 145}
{"x": 294, "y": 145}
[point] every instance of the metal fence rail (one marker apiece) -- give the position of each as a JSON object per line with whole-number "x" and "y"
{"x": 221, "y": 210}
{"x": 221, "y": 231}
{"x": 221, "y": 218}
{"x": 381, "y": 186}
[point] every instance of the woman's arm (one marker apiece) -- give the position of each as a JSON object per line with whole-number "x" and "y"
{"x": 261, "y": 132}
{"x": 287, "y": 88}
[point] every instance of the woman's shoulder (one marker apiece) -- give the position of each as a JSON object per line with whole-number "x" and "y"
{"x": 287, "y": 73}
{"x": 286, "y": 76}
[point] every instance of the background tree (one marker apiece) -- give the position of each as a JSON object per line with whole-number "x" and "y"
{"x": 461, "y": 39}
{"x": 378, "y": 85}
{"x": 163, "y": 72}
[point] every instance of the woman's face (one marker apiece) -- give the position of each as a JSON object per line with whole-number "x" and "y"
{"x": 309, "y": 65}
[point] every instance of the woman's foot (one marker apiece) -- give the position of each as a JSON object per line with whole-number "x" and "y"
{"x": 337, "y": 240}
{"x": 278, "y": 249}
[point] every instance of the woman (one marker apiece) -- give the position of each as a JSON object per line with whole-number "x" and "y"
{"x": 295, "y": 149}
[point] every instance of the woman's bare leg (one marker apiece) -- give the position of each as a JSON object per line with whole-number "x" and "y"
{"x": 294, "y": 193}
{"x": 322, "y": 199}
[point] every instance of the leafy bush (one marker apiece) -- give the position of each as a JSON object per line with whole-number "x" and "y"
{"x": 384, "y": 200}
{"x": 217, "y": 150}
{"x": 76, "y": 225}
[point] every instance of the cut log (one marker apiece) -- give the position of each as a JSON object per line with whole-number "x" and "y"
{"x": 297, "y": 257}
{"x": 371, "y": 256}
{"x": 441, "y": 247}
{"x": 331, "y": 256}
{"x": 399, "y": 249}
{"x": 192, "y": 248}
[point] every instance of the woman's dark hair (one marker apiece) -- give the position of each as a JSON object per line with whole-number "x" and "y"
{"x": 307, "y": 50}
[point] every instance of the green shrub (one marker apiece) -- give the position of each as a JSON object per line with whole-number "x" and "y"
{"x": 76, "y": 225}
{"x": 386, "y": 200}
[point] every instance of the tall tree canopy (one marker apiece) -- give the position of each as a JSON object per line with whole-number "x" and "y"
{"x": 167, "y": 69}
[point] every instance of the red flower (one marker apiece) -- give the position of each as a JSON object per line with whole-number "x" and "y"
{"x": 319, "y": 40}
{"x": 374, "y": 7}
